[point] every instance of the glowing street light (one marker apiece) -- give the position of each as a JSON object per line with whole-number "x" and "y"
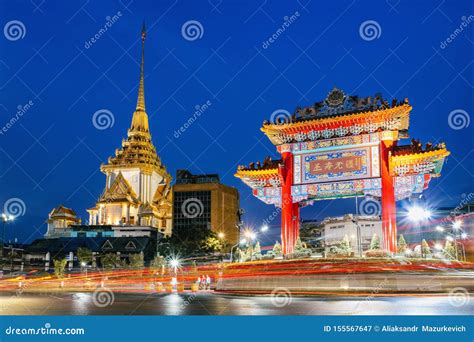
{"x": 250, "y": 235}
{"x": 417, "y": 214}
{"x": 221, "y": 235}
{"x": 264, "y": 228}
{"x": 439, "y": 229}
{"x": 457, "y": 224}
{"x": 84, "y": 265}
{"x": 449, "y": 238}
{"x": 175, "y": 263}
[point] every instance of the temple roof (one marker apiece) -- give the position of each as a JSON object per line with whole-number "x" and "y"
{"x": 119, "y": 191}
{"x": 61, "y": 210}
{"x": 258, "y": 174}
{"x": 412, "y": 159}
{"x": 339, "y": 115}
{"x": 137, "y": 149}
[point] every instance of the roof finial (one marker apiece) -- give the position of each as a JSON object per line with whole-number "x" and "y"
{"x": 141, "y": 87}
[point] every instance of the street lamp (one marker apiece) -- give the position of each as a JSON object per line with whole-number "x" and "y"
{"x": 456, "y": 226}
{"x": 5, "y": 218}
{"x": 417, "y": 215}
{"x": 84, "y": 265}
{"x": 264, "y": 228}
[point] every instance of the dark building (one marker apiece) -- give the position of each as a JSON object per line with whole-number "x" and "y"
{"x": 202, "y": 202}
{"x": 42, "y": 252}
{"x": 12, "y": 257}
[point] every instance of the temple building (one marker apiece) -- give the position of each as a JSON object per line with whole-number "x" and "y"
{"x": 60, "y": 219}
{"x": 137, "y": 188}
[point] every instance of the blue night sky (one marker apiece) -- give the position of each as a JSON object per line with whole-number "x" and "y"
{"x": 52, "y": 153}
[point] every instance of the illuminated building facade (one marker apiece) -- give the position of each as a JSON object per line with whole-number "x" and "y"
{"x": 202, "y": 202}
{"x": 137, "y": 188}
{"x": 352, "y": 227}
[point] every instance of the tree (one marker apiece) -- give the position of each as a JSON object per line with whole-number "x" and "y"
{"x": 345, "y": 246}
{"x": 110, "y": 260}
{"x": 449, "y": 251}
{"x": 425, "y": 248}
{"x": 190, "y": 242}
{"x": 248, "y": 252}
{"x": 84, "y": 255}
{"x": 157, "y": 262}
{"x": 402, "y": 245}
{"x": 212, "y": 244}
{"x": 375, "y": 242}
{"x": 136, "y": 261}
{"x": 257, "y": 252}
{"x": 59, "y": 267}
{"x": 300, "y": 249}
{"x": 277, "y": 249}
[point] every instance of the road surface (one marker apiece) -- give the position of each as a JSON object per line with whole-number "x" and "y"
{"x": 218, "y": 304}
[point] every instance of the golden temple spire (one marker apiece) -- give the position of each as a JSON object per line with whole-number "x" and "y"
{"x": 141, "y": 87}
{"x": 140, "y": 118}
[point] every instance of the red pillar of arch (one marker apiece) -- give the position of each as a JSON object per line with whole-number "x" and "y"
{"x": 296, "y": 222}
{"x": 289, "y": 217}
{"x": 389, "y": 223}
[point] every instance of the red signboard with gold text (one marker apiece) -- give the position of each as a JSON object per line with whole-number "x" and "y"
{"x": 344, "y": 164}
{"x": 336, "y": 165}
